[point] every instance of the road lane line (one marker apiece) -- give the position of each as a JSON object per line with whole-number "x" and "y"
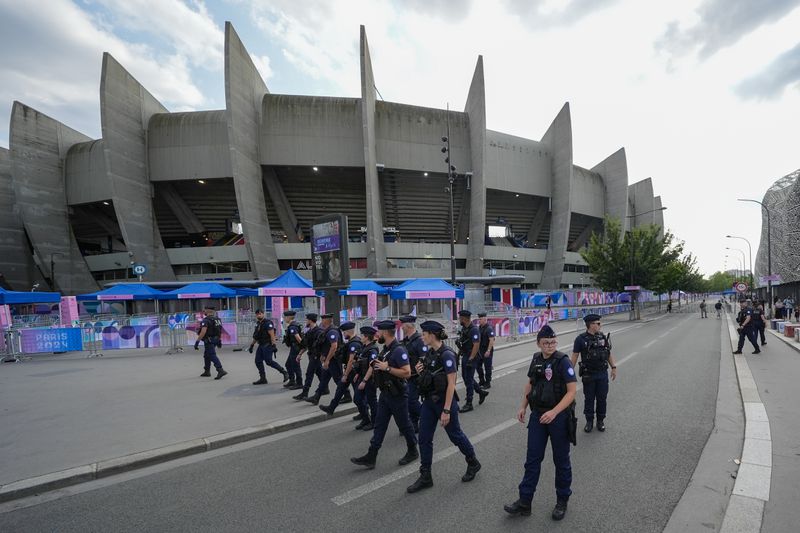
{"x": 381, "y": 482}
{"x": 649, "y": 344}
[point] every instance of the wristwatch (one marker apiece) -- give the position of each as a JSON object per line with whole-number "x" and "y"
{"x": 613, "y": 368}
{"x": 446, "y": 411}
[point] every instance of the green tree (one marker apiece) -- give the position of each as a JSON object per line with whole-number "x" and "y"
{"x": 720, "y": 281}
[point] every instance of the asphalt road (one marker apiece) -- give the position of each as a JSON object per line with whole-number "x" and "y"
{"x": 661, "y": 411}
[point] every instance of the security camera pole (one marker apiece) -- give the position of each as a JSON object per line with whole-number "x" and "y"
{"x": 451, "y": 178}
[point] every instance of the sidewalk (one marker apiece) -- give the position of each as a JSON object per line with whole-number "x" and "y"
{"x": 70, "y": 412}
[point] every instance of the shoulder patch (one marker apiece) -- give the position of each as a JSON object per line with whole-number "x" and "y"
{"x": 424, "y": 348}
{"x": 449, "y": 363}
{"x": 475, "y": 337}
{"x": 404, "y": 356}
{"x": 570, "y": 371}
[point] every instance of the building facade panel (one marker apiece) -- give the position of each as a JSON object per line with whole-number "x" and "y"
{"x": 517, "y": 165}
{"x": 188, "y": 146}
{"x": 588, "y": 193}
{"x": 614, "y": 172}
{"x": 85, "y": 173}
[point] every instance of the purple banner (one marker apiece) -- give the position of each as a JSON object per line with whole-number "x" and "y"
{"x": 35, "y": 340}
{"x": 326, "y": 237}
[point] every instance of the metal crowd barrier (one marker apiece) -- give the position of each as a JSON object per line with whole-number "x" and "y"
{"x": 176, "y": 333}
{"x": 11, "y": 345}
{"x": 91, "y": 342}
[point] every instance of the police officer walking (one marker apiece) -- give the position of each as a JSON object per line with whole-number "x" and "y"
{"x": 468, "y": 344}
{"x": 390, "y": 372}
{"x": 210, "y": 334}
{"x": 594, "y": 349}
{"x": 416, "y": 352}
{"x": 264, "y": 336}
{"x": 292, "y": 340}
{"x": 347, "y": 355}
{"x": 759, "y": 322}
{"x": 746, "y": 328}
{"x": 331, "y": 340}
{"x": 485, "y": 352}
{"x": 437, "y": 384}
{"x": 366, "y": 394}
{"x": 311, "y": 342}
{"x": 550, "y": 394}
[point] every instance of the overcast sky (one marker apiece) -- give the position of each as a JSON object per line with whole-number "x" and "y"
{"x": 704, "y": 94}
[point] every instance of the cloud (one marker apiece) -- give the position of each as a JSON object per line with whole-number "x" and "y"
{"x": 263, "y": 66}
{"x": 53, "y": 56}
{"x": 550, "y": 13}
{"x": 720, "y": 23}
{"x": 769, "y": 84}
{"x": 445, "y": 9}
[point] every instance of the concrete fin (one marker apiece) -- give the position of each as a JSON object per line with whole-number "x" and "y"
{"x": 558, "y": 139}
{"x": 38, "y": 147}
{"x": 475, "y": 109}
{"x": 244, "y": 96}
{"x": 614, "y": 171}
{"x": 642, "y": 200}
{"x": 376, "y": 248}
{"x": 125, "y": 110}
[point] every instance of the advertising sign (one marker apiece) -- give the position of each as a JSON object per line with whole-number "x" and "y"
{"x": 329, "y": 253}
{"x": 35, "y": 340}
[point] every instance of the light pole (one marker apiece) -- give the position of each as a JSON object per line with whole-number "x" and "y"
{"x": 737, "y": 263}
{"x": 744, "y": 260}
{"x": 634, "y": 309}
{"x": 769, "y": 249}
{"x": 53, "y": 270}
{"x": 749, "y": 249}
{"x": 451, "y": 179}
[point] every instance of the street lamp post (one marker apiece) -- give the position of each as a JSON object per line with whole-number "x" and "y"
{"x": 749, "y": 249}
{"x": 451, "y": 179}
{"x": 634, "y": 308}
{"x": 769, "y": 250}
{"x": 744, "y": 260}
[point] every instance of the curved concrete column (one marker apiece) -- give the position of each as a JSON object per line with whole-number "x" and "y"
{"x": 658, "y": 216}
{"x": 39, "y": 145}
{"x": 125, "y": 110}
{"x": 476, "y": 111}
{"x": 376, "y": 248}
{"x": 640, "y": 196}
{"x": 558, "y": 140}
{"x": 244, "y": 95}
{"x": 614, "y": 171}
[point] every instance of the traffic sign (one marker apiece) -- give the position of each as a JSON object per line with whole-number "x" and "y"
{"x": 740, "y": 286}
{"x": 139, "y": 270}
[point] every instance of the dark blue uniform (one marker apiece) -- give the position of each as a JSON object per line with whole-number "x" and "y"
{"x": 594, "y": 352}
{"x": 470, "y": 335}
{"x": 441, "y": 361}
{"x": 211, "y": 340}
{"x": 416, "y": 352}
{"x": 266, "y": 348}
{"x": 749, "y": 331}
{"x": 314, "y": 367}
{"x": 393, "y": 400}
{"x": 350, "y": 350}
{"x": 485, "y": 355}
{"x": 555, "y": 371}
{"x": 292, "y": 366}
{"x": 366, "y": 400}
{"x": 332, "y": 335}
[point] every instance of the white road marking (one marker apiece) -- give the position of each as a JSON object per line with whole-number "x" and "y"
{"x": 649, "y": 344}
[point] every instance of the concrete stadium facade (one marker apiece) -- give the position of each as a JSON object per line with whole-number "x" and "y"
{"x": 229, "y": 194}
{"x": 783, "y": 201}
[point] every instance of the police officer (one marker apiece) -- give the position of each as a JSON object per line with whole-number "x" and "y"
{"x": 311, "y": 344}
{"x": 550, "y": 393}
{"x": 264, "y": 335}
{"x": 331, "y": 340}
{"x": 347, "y": 355}
{"x": 437, "y": 383}
{"x": 416, "y": 352}
{"x": 390, "y": 372}
{"x": 210, "y": 334}
{"x": 293, "y": 340}
{"x": 746, "y": 327}
{"x": 594, "y": 349}
{"x": 468, "y": 344}
{"x": 485, "y": 352}
{"x": 759, "y": 323}
{"x": 366, "y": 394}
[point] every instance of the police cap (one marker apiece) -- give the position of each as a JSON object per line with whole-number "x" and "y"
{"x": 210, "y": 308}
{"x": 290, "y": 313}
{"x": 481, "y": 315}
{"x": 431, "y": 326}
{"x": 408, "y": 319}
{"x": 368, "y": 330}
{"x": 386, "y": 325}
{"x": 347, "y": 326}
{"x": 591, "y": 318}
{"x": 465, "y": 313}
{"x": 311, "y": 316}
{"x": 326, "y": 315}
{"x": 546, "y": 333}
{"x": 259, "y": 311}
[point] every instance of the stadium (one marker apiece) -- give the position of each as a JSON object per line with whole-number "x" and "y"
{"x": 230, "y": 194}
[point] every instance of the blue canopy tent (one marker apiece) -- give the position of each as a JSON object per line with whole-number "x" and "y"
{"x": 121, "y": 293}
{"x": 359, "y": 290}
{"x": 425, "y": 289}
{"x": 286, "y": 291}
{"x": 21, "y": 297}
{"x": 358, "y": 286}
{"x": 199, "y": 291}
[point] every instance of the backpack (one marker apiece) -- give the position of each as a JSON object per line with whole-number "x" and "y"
{"x": 214, "y": 328}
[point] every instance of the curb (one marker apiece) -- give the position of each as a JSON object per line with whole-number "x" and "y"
{"x": 118, "y": 465}
{"x": 785, "y": 339}
{"x": 745, "y": 511}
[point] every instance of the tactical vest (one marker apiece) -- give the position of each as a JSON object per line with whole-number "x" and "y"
{"x": 289, "y": 340}
{"x": 433, "y": 378}
{"x": 213, "y": 326}
{"x": 344, "y": 351}
{"x": 546, "y": 393}
{"x": 312, "y": 340}
{"x": 364, "y": 358}
{"x": 595, "y": 355}
{"x": 485, "y": 338}
{"x": 261, "y": 334}
{"x": 465, "y": 341}
{"x": 385, "y": 381}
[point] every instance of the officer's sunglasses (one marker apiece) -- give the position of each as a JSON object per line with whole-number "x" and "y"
{"x": 548, "y": 343}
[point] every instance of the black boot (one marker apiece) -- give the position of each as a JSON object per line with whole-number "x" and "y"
{"x": 314, "y": 400}
{"x": 358, "y": 417}
{"x": 601, "y": 424}
{"x": 518, "y": 508}
{"x": 295, "y": 386}
{"x": 411, "y": 455}
{"x": 326, "y": 408}
{"x": 757, "y": 351}
{"x": 364, "y": 423}
{"x": 220, "y": 374}
{"x": 302, "y": 396}
{"x": 473, "y": 466}
{"x": 467, "y": 407}
{"x": 482, "y": 394}
{"x": 367, "y": 460}
{"x": 560, "y": 509}
{"x": 346, "y": 398}
{"x": 423, "y": 482}
{"x": 289, "y": 384}
{"x": 369, "y": 427}
{"x": 737, "y": 352}
{"x": 589, "y": 425}
{"x": 206, "y": 374}
{"x": 261, "y": 381}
